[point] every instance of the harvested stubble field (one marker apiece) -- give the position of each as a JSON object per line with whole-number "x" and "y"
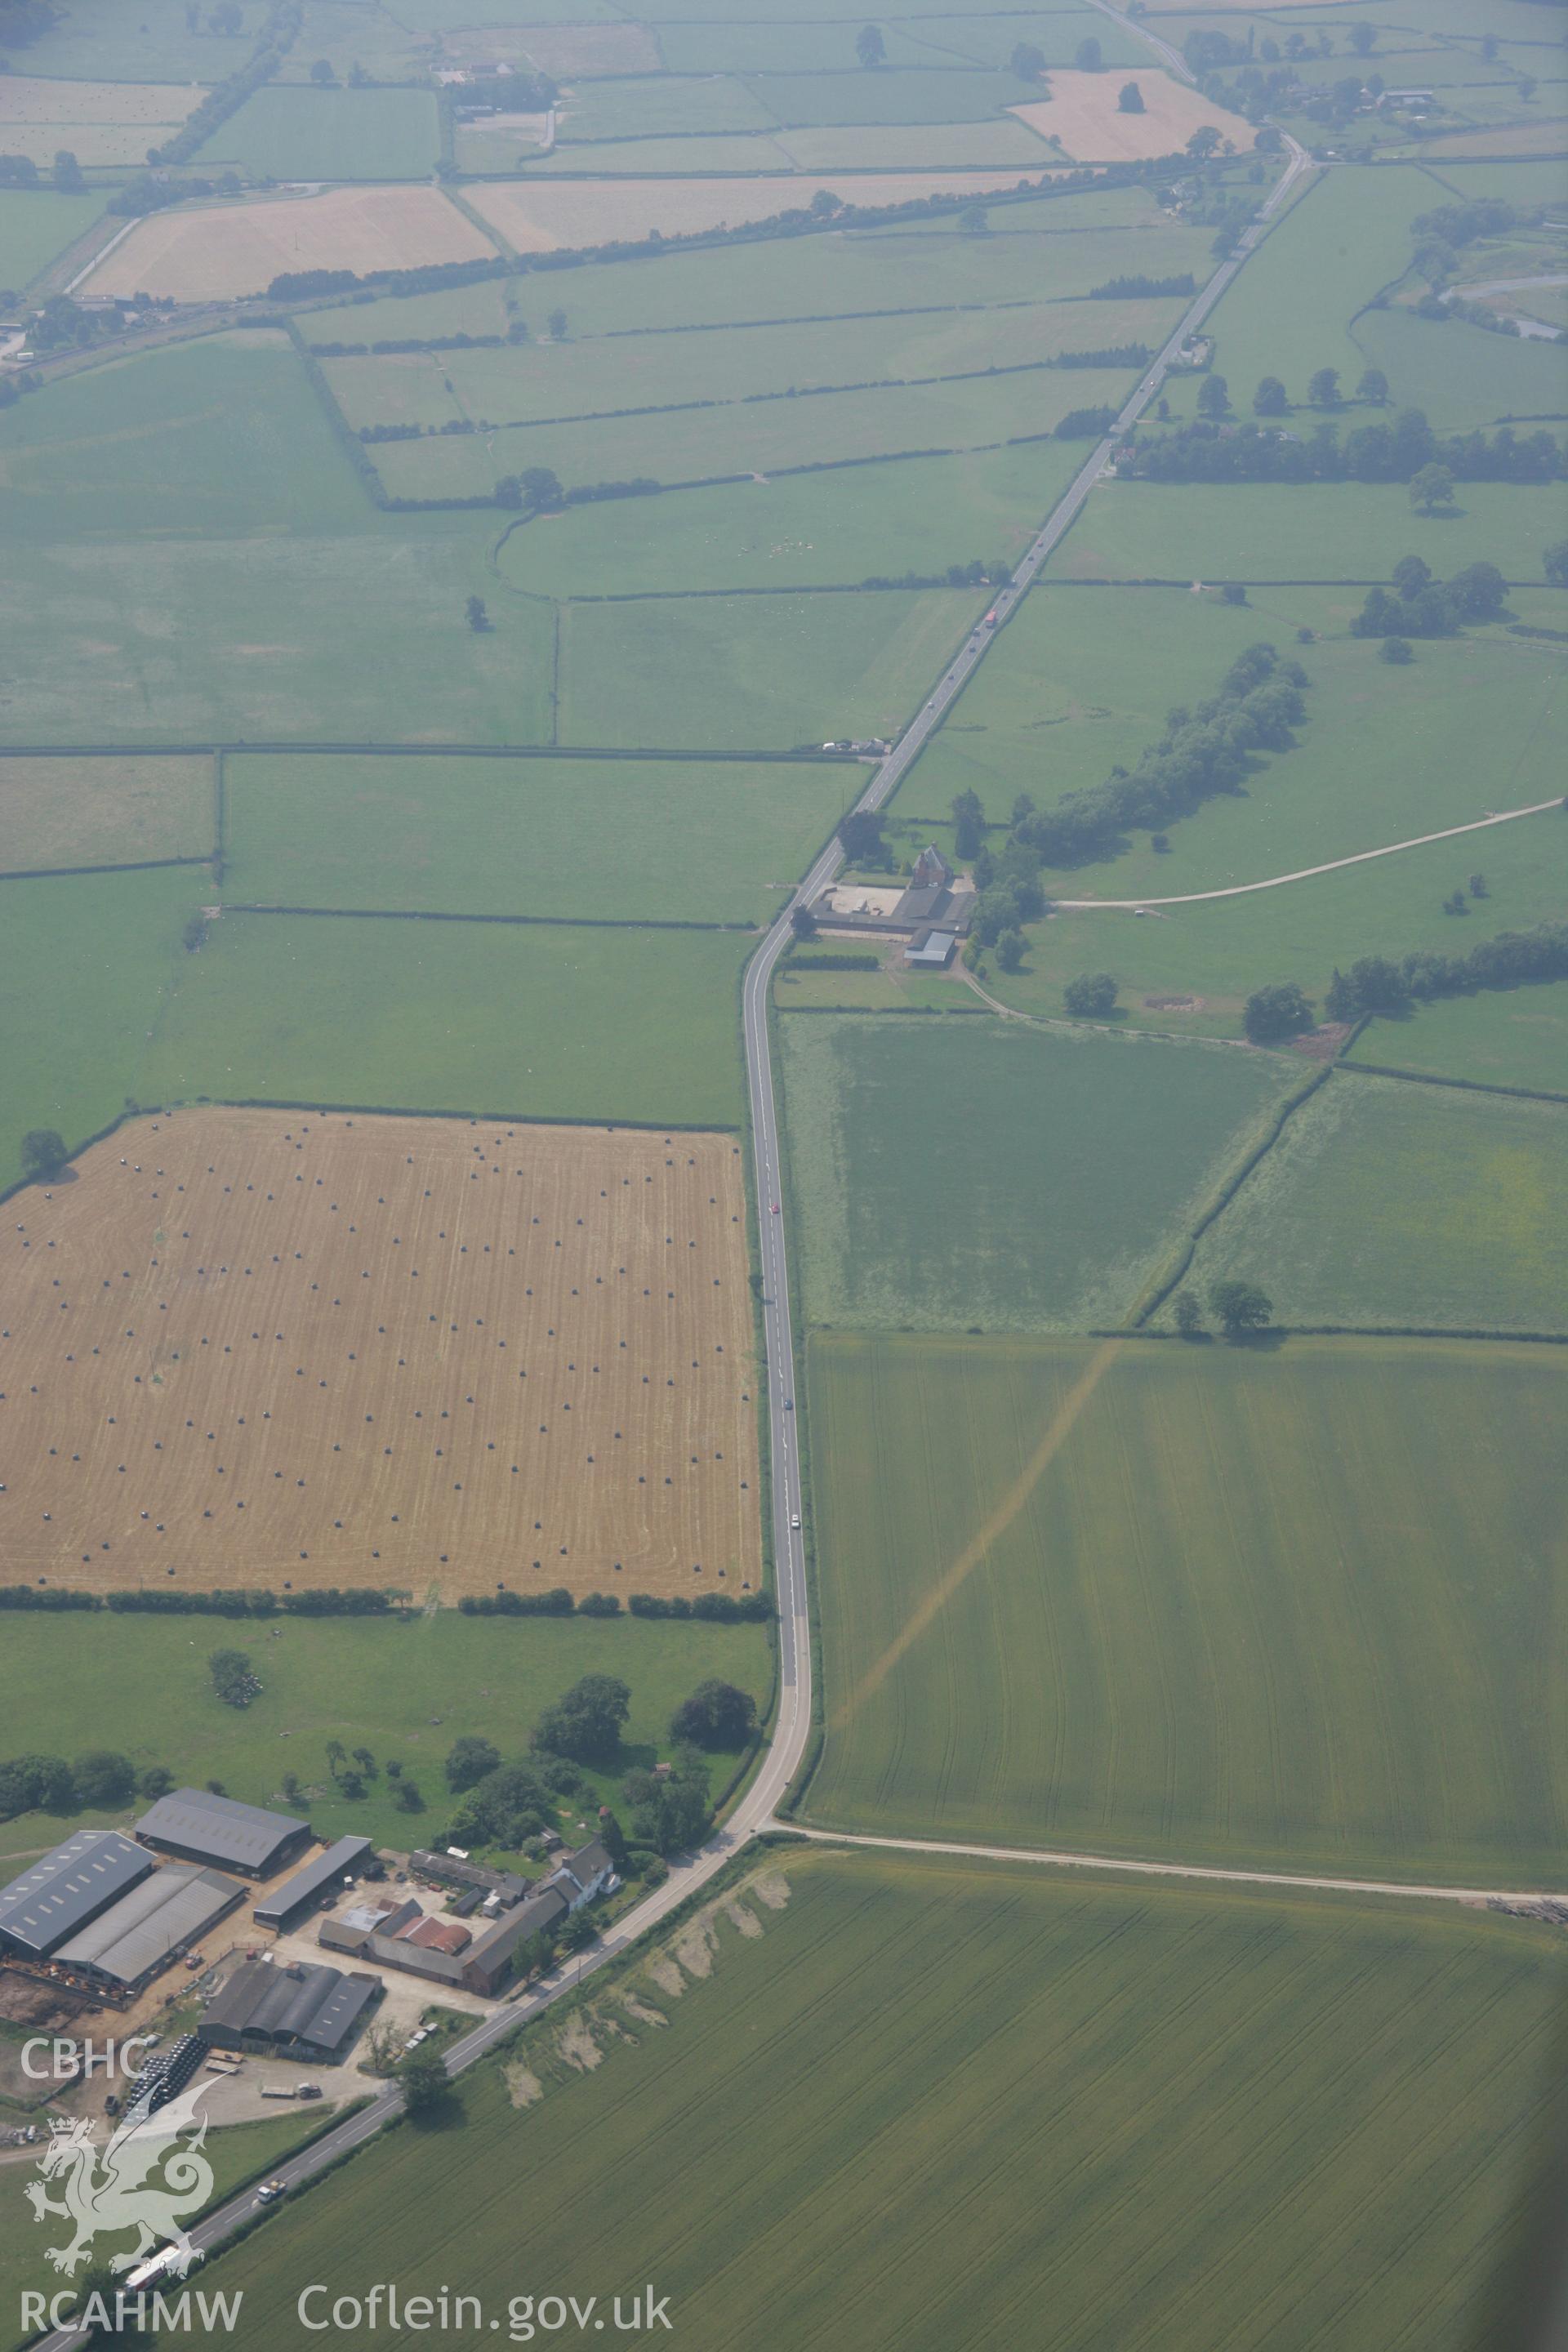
{"x": 537, "y": 218}
{"x": 205, "y": 1262}
{"x": 117, "y": 809}
{"x": 212, "y": 252}
{"x": 97, "y": 121}
{"x": 1084, "y": 118}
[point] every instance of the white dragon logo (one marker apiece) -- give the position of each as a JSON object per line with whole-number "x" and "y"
{"x": 110, "y": 2191}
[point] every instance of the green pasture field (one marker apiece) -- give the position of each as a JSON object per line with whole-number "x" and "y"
{"x": 961, "y": 2050}
{"x": 779, "y": 47}
{"x": 1290, "y": 312}
{"x": 353, "y": 638}
{"x": 1463, "y": 376}
{"x": 546, "y": 382}
{"x": 932, "y": 95}
{"x": 531, "y": 1021}
{"x": 735, "y": 673}
{"x": 638, "y": 106}
{"x": 1297, "y": 1610}
{"x": 1190, "y": 968}
{"x": 347, "y": 33}
{"x": 104, "y": 811}
{"x": 102, "y": 40}
{"x": 84, "y": 960}
{"x": 1513, "y": 1037}
{"x": 192, "y": 558}
{"x": 212, "y": 438}
{"x": 757, "y": 437}
{"x": 959, "y": 1174}
{"x": 485, "y": 309}
{"x": 827, "y": 530}
{"x": 1390, "y": 1203}
{"x": 405, "y": 1688}
{"x": 600, "y": 839}
{"x": 1523, "y": 182}
{"x": 989, "y": 39}
{"x": 461, "y": 16}
{"x": 896, "y": 147}
{"x": 1385, "y": 754}
{"x": 295, "y": 132}
{"x": 36, "y": 226}
{"x": 890, "y": 989}
{"x": 1306, "y": 531}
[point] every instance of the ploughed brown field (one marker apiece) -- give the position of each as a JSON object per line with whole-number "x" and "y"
{"x": 249, "y": 1348}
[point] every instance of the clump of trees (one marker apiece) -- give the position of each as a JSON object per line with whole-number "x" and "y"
{"x": 44, "y": 1153}
{"x": 1241, "y": 1307}
{"x": 48, "y": 1784}
{"x": 585, "y": 1725}
{"x": 1381, "y": 983}
{"x": 1093, "y": 996}
{"x": 1418, "y": 604}
{"x": 717, "y": 1714}
{"x": 1272, "y": 1014}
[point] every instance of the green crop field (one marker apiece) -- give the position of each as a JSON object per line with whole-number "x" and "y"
{"x": 83, "y": 964}
{"x": 737, "y": 673}
{"x": 36, "y": 225}
{"x": 961, "y": 2051}
{"x": 923, "y": 96}
{"x": 1214, "y": 953}
{"x": 298, "y": 134}
{"x": 827, "y": 530}
{"x": 1307, "y": 531}
{"x": 761, "y": 437}
{"x": 535, "y": 1020}
{"x": 104, "y": 810}
{"x": 1513, "y": 1037}
{"x": 964, "y": 1174}
{"x": 664, "y": 841}
{"x": 1295, "y": 1610}
{"x": 404, "y": 1688}
{"x": 1388, "y": 1202}
{"x": 1384, "y": 753}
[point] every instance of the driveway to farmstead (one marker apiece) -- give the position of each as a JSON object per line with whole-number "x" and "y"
{"x": 1305, "y": 873}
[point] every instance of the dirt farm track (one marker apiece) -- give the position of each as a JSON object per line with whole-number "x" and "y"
{"x": 282, "y": 1348}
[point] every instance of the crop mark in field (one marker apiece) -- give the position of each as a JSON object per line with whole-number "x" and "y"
{"x": 990, "y": 1533}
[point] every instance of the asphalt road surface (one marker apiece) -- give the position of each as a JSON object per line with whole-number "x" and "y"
{"x": 755, "y": 1810}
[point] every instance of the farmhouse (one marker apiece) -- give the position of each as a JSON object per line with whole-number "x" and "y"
{"x": 73, "y": 1884}
{"x": 934, "y": 898}
{"x": 336, "y": 1867}
{"x": 307, "y": 2011}
{"x": 403, "y": 1936}
{"x": 196, "y": 1826}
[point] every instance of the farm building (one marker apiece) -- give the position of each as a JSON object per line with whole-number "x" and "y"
{"x": 307, "y": 2011}
{"x": 331, "y": 1871}
{"x": 490, "y": 1960}
{"x": 59, "y": 1896}
{"x": 196, "y": 1826}
{"x": 352, "y": 1930}
{"x": 931, "y": 950}
{"x": 128, "y": 1945}
{"x": 454, "y": 1869}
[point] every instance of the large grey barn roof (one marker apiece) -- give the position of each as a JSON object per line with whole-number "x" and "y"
{"x": 304, "y": 2002}
{"x": 67, "y": 1888}
{"x": 169, "y": 1908}
{"x": 245, "y": 1835}
{"x": 327, "y": 1870}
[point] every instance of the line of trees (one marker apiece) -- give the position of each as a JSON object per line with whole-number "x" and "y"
{"x": 48, "y": 1784}
{"x": 1127, "y": 289}
{"x": 1381, "y": 983}
{"x": 1210, "y": 451}
{"x": 710, "y": 1608}
{"x": 325, "y": 1600}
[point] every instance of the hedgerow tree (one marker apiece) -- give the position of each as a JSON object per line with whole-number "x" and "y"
{"x": 869, "y": 46}
{"x": 1188, "y": 1314}
{"x": 1130, "y": 98}
{"x": 717, "y": 1714}
{"x": 1241, "y": 1307}
{"x": 44, "y": 1151}
{"x": 1214, "y": 396}
{"x": 1555, "y": 562}
{"x": 1270, "y": 399}
{"x": 1278, "y": 1012}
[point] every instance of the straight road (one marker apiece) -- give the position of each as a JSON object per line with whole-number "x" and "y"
{"x": 792, "y": 1727}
